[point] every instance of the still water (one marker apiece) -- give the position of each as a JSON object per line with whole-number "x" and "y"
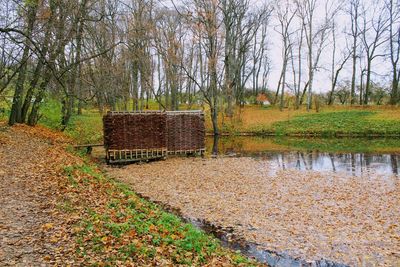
{"x": 357, "y": 157}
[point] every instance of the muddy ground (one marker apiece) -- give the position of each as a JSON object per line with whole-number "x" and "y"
{"x": 305, "y": 214}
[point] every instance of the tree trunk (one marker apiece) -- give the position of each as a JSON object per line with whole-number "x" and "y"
{"x": 394, "y": 97}
{"x": 281, "y": 106}
{"x": 135, "y": 85}
{"x": 34, "y": 114}
{"x": 368, "y": 83}
{"x": 16, "y": 112}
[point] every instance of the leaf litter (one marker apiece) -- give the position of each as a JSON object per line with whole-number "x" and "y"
{"x": 58, "y": 209}
{"x": 306, "y": 214}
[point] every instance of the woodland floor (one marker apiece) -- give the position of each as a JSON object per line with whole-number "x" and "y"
{"x": 309, "y": 215}
{"x": 59, "y": 209}
{"x": 30, "y": 230}
{"x": 56, "y": 210}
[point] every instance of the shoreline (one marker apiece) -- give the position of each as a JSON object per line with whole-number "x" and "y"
{"x": 317, "y": 134}
{"x": 258, "y": 214}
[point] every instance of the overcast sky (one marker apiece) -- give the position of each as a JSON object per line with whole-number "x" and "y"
{"x": 322, "y": 77}
{"x": 381, "y": 68}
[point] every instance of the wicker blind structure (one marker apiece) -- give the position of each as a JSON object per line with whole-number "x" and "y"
{"x": 133, "y": 136}
{"x": 185, "y": 132}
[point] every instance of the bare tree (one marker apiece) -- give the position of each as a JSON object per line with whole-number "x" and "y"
{"x": 10, "y": 63}
{"x": 354, "y": 12}
{"x": 393, "y": 8}
{"x": 296, "y": 54}
{"x": 75, "y": 76}
{"x": 336, "y": 67}
{"x": 15, "y": 115}
{"x": 285, "y": 14}
{"x": 372, "y": 32}
{"x": 205, "y": 26}
{"x": 233, "y": 12}
{"x": 260, "y": 49}
{"x": 168, "y": 43}
{"x": 315, "y": 35}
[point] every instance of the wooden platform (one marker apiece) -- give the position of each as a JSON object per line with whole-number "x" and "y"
{"x": 188, "y": 152}
{"x": 125, "y": 155}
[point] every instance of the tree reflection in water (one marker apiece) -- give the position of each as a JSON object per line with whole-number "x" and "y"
{"x": 356, "y": 164}
{"x": 353, "y": 163}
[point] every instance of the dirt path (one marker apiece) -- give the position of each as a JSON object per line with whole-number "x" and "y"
{"x": 29, "y": 224}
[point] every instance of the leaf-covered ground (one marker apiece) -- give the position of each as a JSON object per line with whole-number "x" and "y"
{"x": 310, "y": 215}
{"x": 58, "y": 209}
{"x": 32, "y": 231}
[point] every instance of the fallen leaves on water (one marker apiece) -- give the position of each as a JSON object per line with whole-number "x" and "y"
{"x": 308, "y": 215}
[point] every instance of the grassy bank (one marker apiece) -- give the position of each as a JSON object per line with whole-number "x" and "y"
{"x": 256, "y": 144}
{"x": 122, "y": 228}
{"x": 330, "y": 122}
{"x": 344, "y": 123}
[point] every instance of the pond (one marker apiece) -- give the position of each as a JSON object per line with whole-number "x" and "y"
{"x": 286, "y": 201}
{"x": 357, "y": 157}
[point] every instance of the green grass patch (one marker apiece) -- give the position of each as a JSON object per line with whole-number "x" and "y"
{"x": 86, "y": 128}
{"x": 346, "y": 123}
{"x": 50, "y": 114}
{"x": 83, "y": 129}
{"x": 136, "y": 230}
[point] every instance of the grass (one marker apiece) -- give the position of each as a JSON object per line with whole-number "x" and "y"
{"x": 121, "y": 228}
{"x": 330, "y": 121}
{"x": 343, "y": 123}
{"x": 83, "y": 129}
{"x": 253, "y": 118}
{"x": 86, "y": 128}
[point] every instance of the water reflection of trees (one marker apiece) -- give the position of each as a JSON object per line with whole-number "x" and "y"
{"x": 353, "y": 163}
{"x": 394, "y": 160}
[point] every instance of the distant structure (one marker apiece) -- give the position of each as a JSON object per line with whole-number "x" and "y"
{"x": 262, "y": 99}
{"x": 143, "y": 135}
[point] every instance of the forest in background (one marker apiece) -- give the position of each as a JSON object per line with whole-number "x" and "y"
{"x": 319, "y": 77}
{"x": 123, "y": 55}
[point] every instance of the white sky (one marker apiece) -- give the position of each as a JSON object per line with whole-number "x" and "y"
{"x": 322, "y": 77}
{"x": 381, "y": 68}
